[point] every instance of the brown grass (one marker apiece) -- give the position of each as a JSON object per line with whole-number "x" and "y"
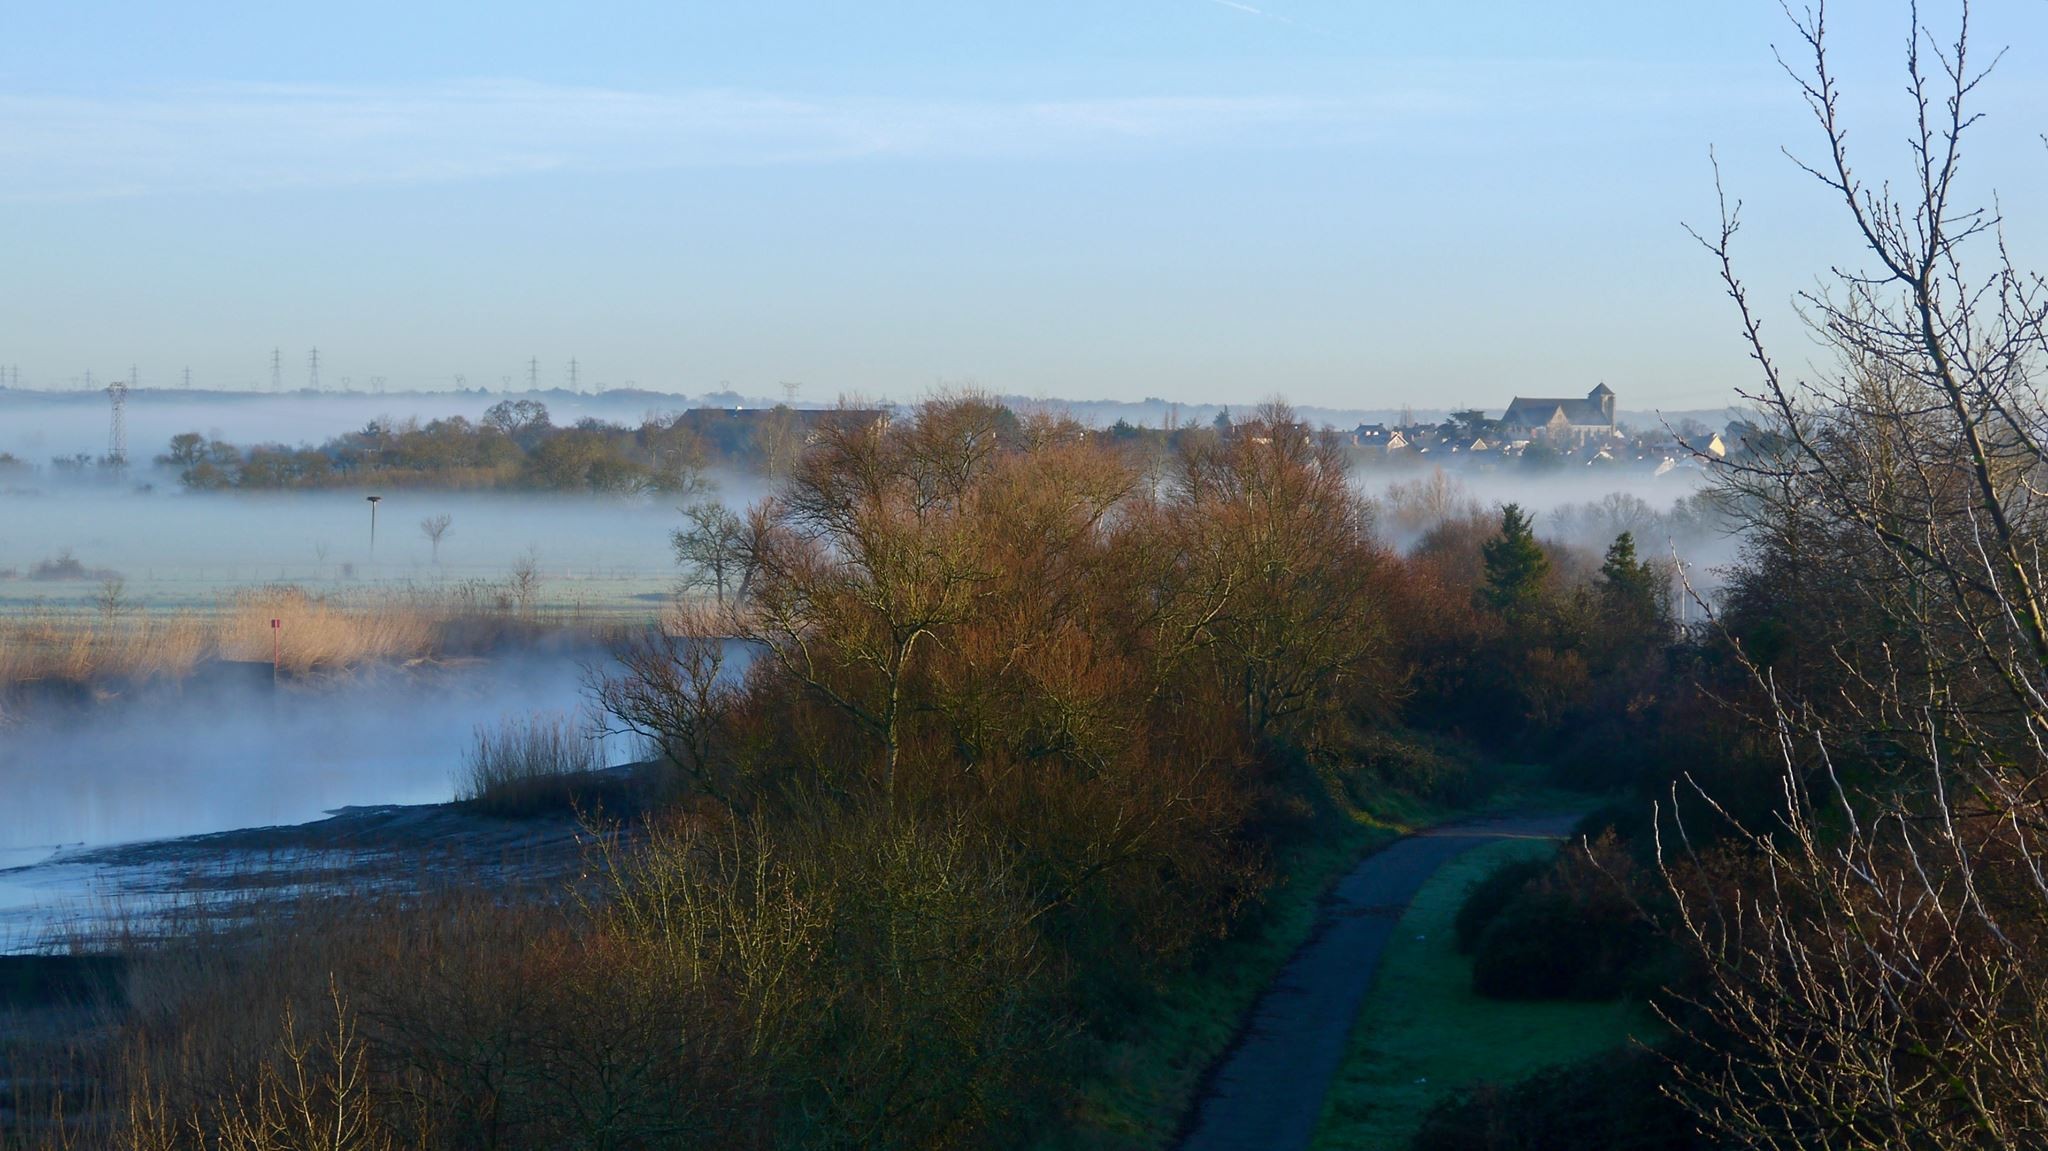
{"x": 319, "y": 632}
{"x": 534, "y": 764}
{"x": 322, "y": 632}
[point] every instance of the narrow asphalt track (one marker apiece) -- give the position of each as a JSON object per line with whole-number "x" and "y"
{"x": 1269, "y": 1090}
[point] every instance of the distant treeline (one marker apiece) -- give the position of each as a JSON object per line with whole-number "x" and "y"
{"x": 515, "y": 446}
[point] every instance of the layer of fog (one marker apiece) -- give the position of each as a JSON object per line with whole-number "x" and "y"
{"x": 178, "y": 548}
{"x": 202, "y": 760}
{"x": 1580, "y": 508}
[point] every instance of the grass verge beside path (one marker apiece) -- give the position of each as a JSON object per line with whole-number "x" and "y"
{"x": 1423, "y": 1035}
{"x": 1149, "y": 1079}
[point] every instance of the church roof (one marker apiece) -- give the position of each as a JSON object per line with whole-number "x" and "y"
{"x": 1535, "y": 412}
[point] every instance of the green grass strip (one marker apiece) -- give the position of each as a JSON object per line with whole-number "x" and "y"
{"x": 1423, "y": 1035}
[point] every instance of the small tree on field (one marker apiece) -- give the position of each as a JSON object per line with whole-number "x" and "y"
{"x": 710, "y": 550}
{"x": 112, "y": 598}
{"x": 434, "y": 528}
{"x": 523, "y": 585}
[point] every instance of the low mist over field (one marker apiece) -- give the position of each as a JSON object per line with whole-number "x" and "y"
{"x": 180, "y": 549}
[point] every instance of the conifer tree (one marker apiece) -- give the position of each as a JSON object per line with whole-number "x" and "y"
{"x": 1628, "y": 586}
{"x": 1515, "y": 564}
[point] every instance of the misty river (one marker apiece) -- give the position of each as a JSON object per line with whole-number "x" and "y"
{"x": 201, "y": 760}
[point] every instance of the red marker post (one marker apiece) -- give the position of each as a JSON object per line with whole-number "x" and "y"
{"x": 276, "y": 648}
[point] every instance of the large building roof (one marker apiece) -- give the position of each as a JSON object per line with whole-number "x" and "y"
{"x": 1595, "y": 410}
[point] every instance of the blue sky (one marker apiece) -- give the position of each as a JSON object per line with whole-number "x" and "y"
{"x": 1352, "y": 204}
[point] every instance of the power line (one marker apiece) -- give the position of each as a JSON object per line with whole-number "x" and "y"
{"x": 117, "y": 422}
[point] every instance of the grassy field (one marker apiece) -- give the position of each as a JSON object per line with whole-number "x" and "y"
{"x": 1423, "y": 1035}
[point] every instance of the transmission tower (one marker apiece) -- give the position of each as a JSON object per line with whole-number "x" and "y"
{"x": 313, "y": 370}
{"x": 277, "y": 369}
{"x": 117, "y": 424}
{"x": 188, "y": 379}
{"x": 533, "y": 374}
{"x": 572, "y": 373}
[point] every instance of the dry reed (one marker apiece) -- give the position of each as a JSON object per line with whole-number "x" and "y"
{"x": 316, "y": 633}
{"x": 528, "y": 760}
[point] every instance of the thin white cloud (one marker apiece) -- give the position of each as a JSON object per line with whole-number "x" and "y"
{"x": 1253, "y": 11}
{"x": 254, "y": 138}
{"x": 261, "y": 138}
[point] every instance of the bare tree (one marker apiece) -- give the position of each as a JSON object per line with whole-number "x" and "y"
{"x": 1877, "y": 964}
{"x": 525, "y": 581}
{"x": 710, "y": 550}
{"x": 112, "y": 597}
{"x": 434, "y": 528}
{"x": 1269, "y": 514}
{"x": 672, "y": 690}
{"x": 865, "y": 556}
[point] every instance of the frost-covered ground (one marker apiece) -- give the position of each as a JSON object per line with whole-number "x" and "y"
{"x": 181, "y": 550}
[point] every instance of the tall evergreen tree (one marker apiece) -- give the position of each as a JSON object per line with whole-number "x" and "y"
{"x": 1515, "y": 564}
{"x": 1633, "y": 604}
{"x": 1628, "y": 586}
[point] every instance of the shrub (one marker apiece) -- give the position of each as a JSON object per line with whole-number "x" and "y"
{"x": 1490, "y": 895}
{"x": 1615, "y": 1101}
{"x": 531, "y": 765}
{"x": 1411, "y": 763}
{"x": 1571, "y": 932}
{"x": 64, "y": 566}
{"x": 883, "y": 975}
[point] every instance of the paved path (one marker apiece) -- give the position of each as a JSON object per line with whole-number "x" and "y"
{"x": 1269, "y": 1091}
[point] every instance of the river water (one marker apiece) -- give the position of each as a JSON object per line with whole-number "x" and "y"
{"x": 201, "y": 760}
